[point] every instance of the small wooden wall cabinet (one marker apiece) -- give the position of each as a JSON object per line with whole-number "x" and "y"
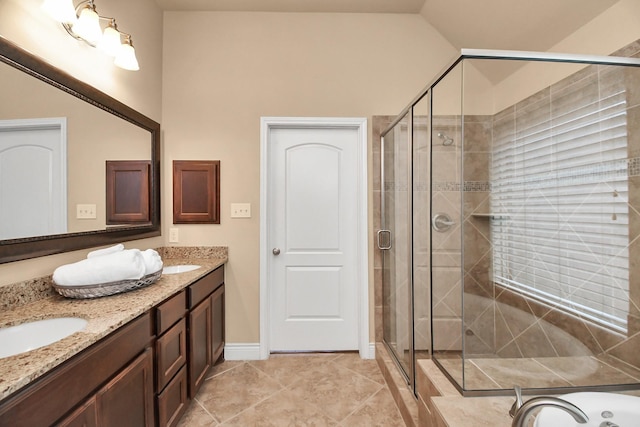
{"x": 112, "y": 382}
{"x": 196, "y": 192}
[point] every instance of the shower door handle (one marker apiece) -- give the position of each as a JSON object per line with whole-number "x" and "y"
{"x": 387, "y": 246}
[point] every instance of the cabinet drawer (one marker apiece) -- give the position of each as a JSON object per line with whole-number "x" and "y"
{"x": 173, "y": 401}
{"x": 171, "y": 353}
{"x": 202, "y": 288}
{"x": 169, "y": 312}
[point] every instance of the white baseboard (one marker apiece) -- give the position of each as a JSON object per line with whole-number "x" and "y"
{"x": 372, "y": 350}
{"x": 251, "y": 351}
{"x": 242, "y": 351}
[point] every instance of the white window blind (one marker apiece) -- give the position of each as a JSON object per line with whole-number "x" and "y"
{"x": 560, "y": 187}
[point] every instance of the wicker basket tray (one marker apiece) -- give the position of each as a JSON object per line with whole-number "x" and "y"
{"x": 105, "y": 289}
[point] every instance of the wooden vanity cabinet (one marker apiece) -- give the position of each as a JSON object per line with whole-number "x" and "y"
{"x": 171, "y": 359}
{"x": 141, "y": 375}
{"x": 206, "y": 326}
{"x": 113, "y": 375}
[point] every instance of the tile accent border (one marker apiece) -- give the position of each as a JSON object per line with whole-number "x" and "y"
{"x": 590, "y": 174}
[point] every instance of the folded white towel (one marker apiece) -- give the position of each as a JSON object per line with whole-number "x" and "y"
{"x": 123, "y": 265}
{"x": 152, "y": 261}
{"x": 106, "y": 251}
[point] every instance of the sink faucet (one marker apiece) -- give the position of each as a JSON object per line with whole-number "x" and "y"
{"x": 520, "y": 411}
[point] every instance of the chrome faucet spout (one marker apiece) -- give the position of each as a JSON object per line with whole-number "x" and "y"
{"x": 518, "y": 403}
{"x": 522, "y": 414}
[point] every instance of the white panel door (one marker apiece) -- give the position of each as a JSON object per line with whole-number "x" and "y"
{"x": 313, "y": 234}
{"x": 33, "y": 178}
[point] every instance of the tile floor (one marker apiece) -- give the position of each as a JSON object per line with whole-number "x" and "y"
{"x": 333, "y": 389}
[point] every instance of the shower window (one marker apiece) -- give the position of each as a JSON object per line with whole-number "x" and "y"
{"x": 560, "y": 197}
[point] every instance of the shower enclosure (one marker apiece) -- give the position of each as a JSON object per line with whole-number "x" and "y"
{"x": 510, "y": 223}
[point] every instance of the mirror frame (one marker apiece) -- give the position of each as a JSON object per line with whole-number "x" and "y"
{"x": 33, "y": 247}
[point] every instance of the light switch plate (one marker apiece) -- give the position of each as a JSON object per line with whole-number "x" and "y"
{"x": 240, "y": 210}
{"x": 86, "y": 211}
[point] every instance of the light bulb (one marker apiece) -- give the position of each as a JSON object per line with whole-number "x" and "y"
{"x": 126, "y": 57}
{"x": 88, "y": 26}
{"x": 60, "y": 10}
{"x": 110, "y": 42}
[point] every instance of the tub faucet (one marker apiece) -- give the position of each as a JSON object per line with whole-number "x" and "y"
{"x": 520, "y": 411}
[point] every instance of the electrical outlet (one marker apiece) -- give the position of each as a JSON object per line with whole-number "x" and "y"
{"x": 86, "y": 211}
{"x": 240, "y": 210}
{"x": 173, "y": 235}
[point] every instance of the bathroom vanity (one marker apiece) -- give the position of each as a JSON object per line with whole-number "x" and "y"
{"x": 139, "y": 361}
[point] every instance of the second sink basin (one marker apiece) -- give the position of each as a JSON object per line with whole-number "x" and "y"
{"x": 175, "y": 269}
{"x": 29, "y": 336}
{"x": 603, "y": 409}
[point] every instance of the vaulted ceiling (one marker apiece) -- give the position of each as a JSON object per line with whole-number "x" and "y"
{"x": 534, "y": 25}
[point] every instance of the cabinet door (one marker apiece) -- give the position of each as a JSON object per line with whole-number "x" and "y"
{"x": 84, "y": 416}
{"x": 171, "y": 353}
{"x": 127, "y": 400}
{"x": 217, "y": 323}
{"x": 200, "y": 357}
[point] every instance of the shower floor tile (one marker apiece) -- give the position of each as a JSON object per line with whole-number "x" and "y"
{"x": 492, "y": 373}
{"x": 523, "y": 372}
{"x": 584, "y": 371}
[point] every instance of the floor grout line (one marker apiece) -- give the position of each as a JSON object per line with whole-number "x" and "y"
{"x": 339, "y": 370}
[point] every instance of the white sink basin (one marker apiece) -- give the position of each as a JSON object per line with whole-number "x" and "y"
{"x": 29, "y": 336}
{"x": 606, "y": 409}
{"x": 175, "y": 269}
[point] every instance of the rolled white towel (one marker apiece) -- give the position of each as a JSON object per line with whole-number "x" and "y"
{"x": 152, "y": 261}
{"x": 123, "y": 265}
{"x": 106, "y": 251}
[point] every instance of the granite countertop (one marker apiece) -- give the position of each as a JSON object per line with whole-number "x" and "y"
{"x": 104, "y": 315}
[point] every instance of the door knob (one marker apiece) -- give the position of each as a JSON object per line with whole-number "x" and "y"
{"x": 276, "y": 251}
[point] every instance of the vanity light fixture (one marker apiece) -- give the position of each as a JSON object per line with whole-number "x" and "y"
{"x": 83, "y": 23}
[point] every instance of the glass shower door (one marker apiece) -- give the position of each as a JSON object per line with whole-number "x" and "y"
{"x": 395, "y": 241}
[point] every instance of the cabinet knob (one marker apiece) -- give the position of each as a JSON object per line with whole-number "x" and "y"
{"x": 276, "y": 251}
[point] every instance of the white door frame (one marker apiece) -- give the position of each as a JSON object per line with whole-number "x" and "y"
{"x": 266, "y": 124}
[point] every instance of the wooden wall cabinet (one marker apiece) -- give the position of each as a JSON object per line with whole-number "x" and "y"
{"x": 196, "y": 192}
{"x": 128, "y": 183}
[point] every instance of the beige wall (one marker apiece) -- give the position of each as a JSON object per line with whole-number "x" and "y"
{"x": 223, "y": 71}
{"x": 22, "y": 22}
{"x": 613, "y": 29}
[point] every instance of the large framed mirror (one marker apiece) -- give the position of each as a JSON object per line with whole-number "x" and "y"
{"x": 84, "y": 129}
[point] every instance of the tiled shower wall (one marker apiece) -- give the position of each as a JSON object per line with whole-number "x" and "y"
{"x": 498, "y": 322}
{"x": 501, "y": 322}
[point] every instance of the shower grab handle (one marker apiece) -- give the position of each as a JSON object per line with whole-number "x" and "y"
{"x": 388, "y": 245}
